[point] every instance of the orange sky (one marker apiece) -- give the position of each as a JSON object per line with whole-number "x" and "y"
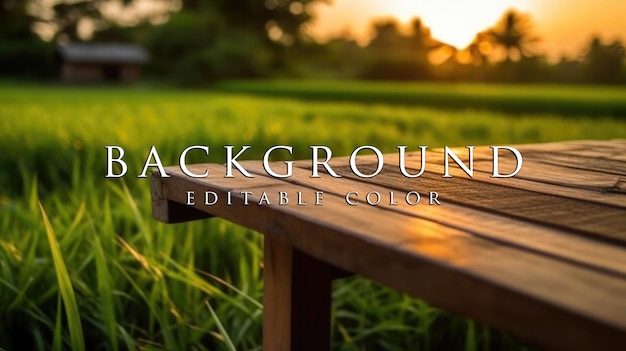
{"x": 564, "y": 26}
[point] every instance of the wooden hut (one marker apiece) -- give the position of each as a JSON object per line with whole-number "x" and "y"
{"x": 93, "y": 63}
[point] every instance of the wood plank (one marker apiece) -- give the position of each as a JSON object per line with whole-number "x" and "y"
{"x": 599, "y": 150}
{"x": 434, "y": 164}
{"x": 605, "y": 156}
{"x": 277, "y": 274}
{"x": 528, "y": 200}
{"x": 579, "y": 162}
{"x": 610, "y": 149}
{"x": 311, "y": 302}
{"x": 540, "y": 167}
{"x": 588, "y": 218}
{"x": 512, "y": 289}
{"x": 510, "y": 231}
{"x": 296, "y": 299}
{"x": 618, "y": 156}
{"x": 596, "y": 144}
{"x": 563, "y": 146}
{"x": 558, "y": 175}
{"x": 168, "y": 211}
{"x": 413, "y": 161}
{"x": 483, "y": 151}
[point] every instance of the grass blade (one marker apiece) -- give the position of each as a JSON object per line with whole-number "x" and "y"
{"x": 105, "y": 290}
{"x": 227, "y": 341}
{"x": 65, "y": 287}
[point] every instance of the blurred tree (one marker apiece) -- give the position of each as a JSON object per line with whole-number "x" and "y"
{"x": 388, "y": 42}
{"x": 395, "y": 56}
{"x": 603, "y": 63}
{"x": 283, "y": 20}
{"x": 421, "y": 42}
{"x": 68, "y": 15}
{"x": 388, "y": 54}
{"x": 472, "y": 62}
{"x": 513, "y": 33}
{"x": 80, "y": 20}
{"x": 16, "y": 21}
{"x": 192, "y": 50}
{"x": 477, "y": 52}
{"x": 231, "y": 38}
{"x": 115, "y": 33}
{"x": 567, "y": 70}
{"x": 22, "y": 53}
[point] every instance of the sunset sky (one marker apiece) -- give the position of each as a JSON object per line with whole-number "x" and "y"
{"x": 564, "y": 26}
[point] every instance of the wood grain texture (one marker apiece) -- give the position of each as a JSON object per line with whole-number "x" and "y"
{"x": 434, "y": 163}
{"x": 502, "y": 286}
{"x": 539, "y": 256}
{"x": 296, "y": 299}
{"x": 506, "y": 230}
{"x": 277, "y": 279}
{"x": 601, "y": 156}
{"x": 585, "y": 218}
{"x": 578, "y": 160}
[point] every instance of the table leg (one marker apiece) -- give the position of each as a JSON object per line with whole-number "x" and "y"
{"x": 297, "y": 299}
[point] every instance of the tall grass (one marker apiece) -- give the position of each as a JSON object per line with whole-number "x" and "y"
{"x": 65, "y": 286}
{"x": 138, "y": 284}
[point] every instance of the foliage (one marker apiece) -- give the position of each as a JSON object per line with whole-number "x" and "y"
{"x": 22, "y": 53}
{"x": 289, "y": 16}
{"x": 513, "y": 33}
{"x": 198, "y": 42}
{"x": 394, "y": 56}
{"x": 31, "y": 59}
{"x": 193, "y": 50}
{"x": 82, "y": 20}
{"x": 504, "y": 53}
{"x": 16, "y": 22}
{"x": 139, "y": 284}
{"x": 231, "y": 39}
{"x": 68, "y": 16}
{"x": 603, "y": 63}
{"x": 205, "y": 41}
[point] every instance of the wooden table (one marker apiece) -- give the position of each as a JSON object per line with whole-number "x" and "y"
{"x": 540, "y": 255}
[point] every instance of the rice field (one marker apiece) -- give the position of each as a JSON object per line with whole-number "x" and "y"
{"x": 84, "y": 266}
{"x": 515, "y": 99}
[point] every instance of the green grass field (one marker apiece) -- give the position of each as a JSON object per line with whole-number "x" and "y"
{"x": 104, "y": 275}
{"x": 513, "y": 99}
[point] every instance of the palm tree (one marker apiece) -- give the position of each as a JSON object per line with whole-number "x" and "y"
{"x": 478, "y": 51}
{"x": 514, "y": 34}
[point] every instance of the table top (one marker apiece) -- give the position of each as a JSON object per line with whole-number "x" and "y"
{"x": 541, "y": 255}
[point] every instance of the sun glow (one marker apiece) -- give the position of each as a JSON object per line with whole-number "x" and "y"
{"x": 455, "y": 22}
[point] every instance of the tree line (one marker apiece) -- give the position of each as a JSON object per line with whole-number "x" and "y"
{"x": 194, "y": 42}
{"x": 506, "y": 52}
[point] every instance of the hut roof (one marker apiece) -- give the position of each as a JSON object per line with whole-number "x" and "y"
{"x": 103, "y": 53}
